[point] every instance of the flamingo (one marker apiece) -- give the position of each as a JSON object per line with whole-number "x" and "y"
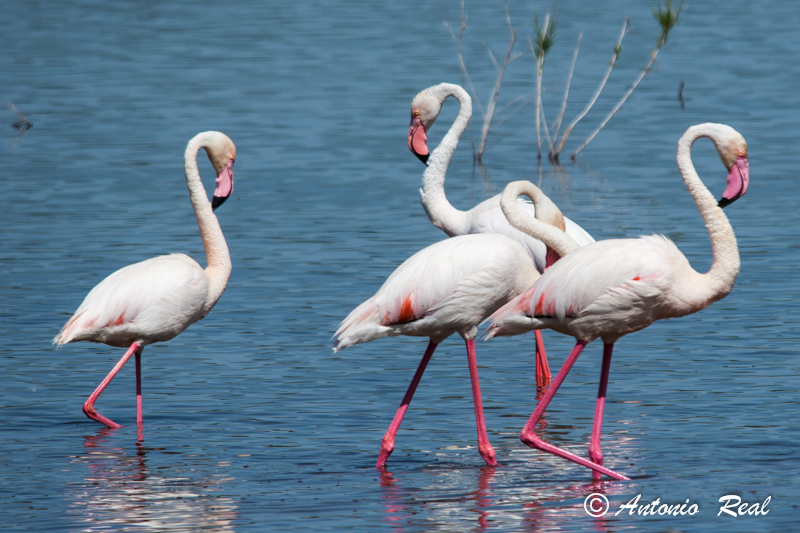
{"x": 487, "y": 216}
{"x": 155, "y": 300}
{"x": 614, "y": 287}
{"x": 449, "y": 287}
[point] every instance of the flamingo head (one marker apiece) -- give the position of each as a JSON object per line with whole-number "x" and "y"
{"x": 732, "y": 150}
{"x": 424, "y": 109}
{"x": 222, "y": 154}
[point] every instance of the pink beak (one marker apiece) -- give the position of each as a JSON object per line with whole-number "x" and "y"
{"x": 418, "y": 140}
{"x": 738, "y": 181}
{"x": 224, "y": 186}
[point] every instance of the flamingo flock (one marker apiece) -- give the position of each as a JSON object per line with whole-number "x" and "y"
{"x": 519, "y": 265}
{"x": 485, "y": 217}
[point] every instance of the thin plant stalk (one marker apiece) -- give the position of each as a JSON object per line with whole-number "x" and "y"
{"x": 465, "y": 78}
{"x": 667, "y": 18}
{"x": 568, "y": 130}
{"x": 546, "y": 129}
{"x": 492, "y": 104}
{"x": 642, "y": 74}
{"x": 557, "y": 123}
{"x": 539, "y": 69}
{"x": 545, "y": 36}
{"x": 525, "y": 99}
{"x": 459, "y": 48}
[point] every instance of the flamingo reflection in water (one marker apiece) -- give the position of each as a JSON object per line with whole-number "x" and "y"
{"x": 490, "y": 498}
{"x": 121, "y": 490}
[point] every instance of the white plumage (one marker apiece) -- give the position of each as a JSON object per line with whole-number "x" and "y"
{"x": 611, "y": 288}
{"x": 449, "y": 287}
{"x": 598, "y": 288}
{"x": 446, "y": 288}
{"x": 151, "y": 301}
{"x": 485, "y": 217}
{"x": 488, "y": 217}
{"x": 155, "y": 300}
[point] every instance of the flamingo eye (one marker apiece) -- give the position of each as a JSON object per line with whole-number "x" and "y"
{"x": 416, "y": 113}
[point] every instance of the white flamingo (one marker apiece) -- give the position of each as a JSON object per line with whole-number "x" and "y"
{"x": 615, "y": 287}
{"x": 155, "y": 300}
{"x": 449, "y": 287}
{"x": 487, "y": 216}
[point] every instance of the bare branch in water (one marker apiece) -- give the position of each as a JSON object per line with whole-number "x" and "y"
{"x": 459, "y": 50}
{"x": 490, "y": 106}
{"x": 545, "y": 37}
{"x": 617, "y": 49}
{"x": 557, "y": 123}
{"x": 667, "y": 17}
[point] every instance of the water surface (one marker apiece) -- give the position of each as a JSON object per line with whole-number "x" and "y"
{"x": 251, "y": 423}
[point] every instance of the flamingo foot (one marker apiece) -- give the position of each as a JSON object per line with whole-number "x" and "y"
{"x": 596, "y": 456}
{"x": 91, "y": 412}
{"x": 88, "y": 405}
{"x": 487, "y": 452}
{"x": 484, "y": 446}
{"x": 139, "y": 422}
{"x": 530, "y": 439}
{"x": 595, "y": 451}
{"x": 533, "y": 441}
{"x": 387, "y": 444}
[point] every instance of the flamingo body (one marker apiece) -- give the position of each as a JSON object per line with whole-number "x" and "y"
{"x": 155, "y": 300}
{"x": 449, "y": 287}
{"x": 606, "y": 290}
{"x": 446, "y": 288}
{"x": 612, "y": 288}
{"x": 151, "y": 301}
{"x": 487, "y": 216}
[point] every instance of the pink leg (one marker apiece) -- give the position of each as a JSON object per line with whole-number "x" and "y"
{"x": 139, "y": 424}
{"x": 543, "y": 376}
{"x": 595, "y": 452}
{"x": 88, "y": 406}
{"x": 529, "y": 437}
{"x": 484, "y": 446}
{"x": 387, "y": 445}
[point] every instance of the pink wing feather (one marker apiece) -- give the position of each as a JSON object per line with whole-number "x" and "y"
{"x": 152, "y": 298}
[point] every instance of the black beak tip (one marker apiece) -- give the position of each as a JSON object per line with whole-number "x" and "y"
{"x": 217, "y": 201}
{"x": 423, "y": 158}
{"x": 725, "y": 202}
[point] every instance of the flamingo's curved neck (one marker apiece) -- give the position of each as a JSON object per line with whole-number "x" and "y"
{"x": 718, "y": 281}
{"x": 549, "y": 222}
{"x": 443, "y": 215}
{"x": 218, "y": 259}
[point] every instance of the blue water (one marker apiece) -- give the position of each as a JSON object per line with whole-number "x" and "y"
{"x": 251, "y": 423}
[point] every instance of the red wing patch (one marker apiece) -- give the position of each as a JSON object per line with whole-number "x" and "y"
{"x": 405, "y": 315}
{"x": 636, "y": 278}
{"x": 117, "y": 322}
{"x": 406, "y": 311}
{"x": 538, "y": 310}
